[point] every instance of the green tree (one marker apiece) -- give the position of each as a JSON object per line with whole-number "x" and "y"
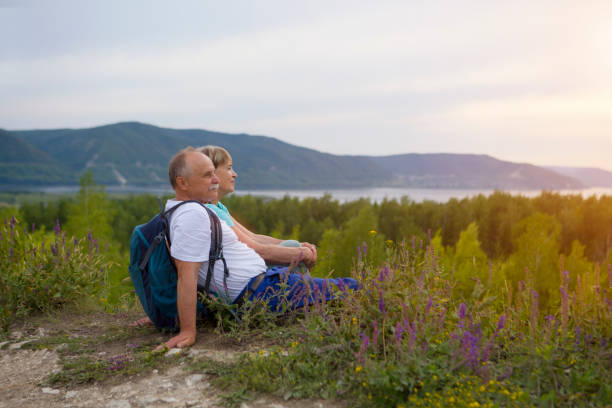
{"x": 536, "y": 259}
{"x": 339, "y": 248}
{"x": 469, "y": 261}
{"x": 91, "y": 212}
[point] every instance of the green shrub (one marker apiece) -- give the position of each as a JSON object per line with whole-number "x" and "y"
{"x": 44, "y": 271}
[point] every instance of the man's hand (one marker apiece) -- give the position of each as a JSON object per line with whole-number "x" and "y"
{"x": 185, "y": 338}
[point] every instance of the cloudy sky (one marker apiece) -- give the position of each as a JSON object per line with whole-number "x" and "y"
{"x": 527, "y": 81}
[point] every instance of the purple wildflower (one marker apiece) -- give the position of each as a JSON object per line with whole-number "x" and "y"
{"x": 501, "y": 323}
{"x": 375, "y": 334}
{"x": 33, "y": 227}
{"x": 461, "y": 313}
{"x": 365, "y": 343}
{"x": 428, "y": 307}
{"x": 57, "y": 228}
{"x": 441, "y": 317}
{"x": 577, "y": 342}
{"x": 381, "y": 302}
{"x": 75, "y": 242}
{"x": 399, "y": 330}
{"x": 534, "y": 308}
{"x": 89, "y": 235}
{"x": 12, "y": 224}
{"x": 412, "y": 331}
{"x": 365, "y": 248}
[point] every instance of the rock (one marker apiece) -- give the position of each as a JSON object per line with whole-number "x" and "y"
{"x": 147, "y": 400}
{"x": 17, "y": 346}
{"x": 173, "y": 352}
{"x": 16, "y": 335}
{"x": 169, "y": 400}
{"x": 53, "y": 391}
{"x": 120, "y": 389}
{"x": 71, "y": 394}
{"x": 193, "y": 379}
{"x": 118, "y": 404}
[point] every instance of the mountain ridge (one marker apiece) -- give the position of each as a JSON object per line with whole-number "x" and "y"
{"x": 137, "y": 154}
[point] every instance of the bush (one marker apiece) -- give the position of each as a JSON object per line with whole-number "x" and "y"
{"x": 42, "y": 272}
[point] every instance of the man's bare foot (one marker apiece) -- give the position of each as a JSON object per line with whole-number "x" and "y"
{"x": 144, "y": 322}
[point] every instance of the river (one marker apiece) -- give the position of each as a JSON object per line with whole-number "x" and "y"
{"x": 343, "y": 195}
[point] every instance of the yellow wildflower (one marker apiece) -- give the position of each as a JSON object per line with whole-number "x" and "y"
{"x": 358, "y": 369}
{"x": 372, "y": 232}
{"x": 354, "y": 320}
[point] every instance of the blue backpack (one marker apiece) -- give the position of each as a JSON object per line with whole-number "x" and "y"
{"x": 153, "y": 271}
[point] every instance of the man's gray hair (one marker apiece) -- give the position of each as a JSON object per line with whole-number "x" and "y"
{"x": 178, "y": 166}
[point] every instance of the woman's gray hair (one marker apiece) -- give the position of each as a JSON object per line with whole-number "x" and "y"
{"x": 217, "y": 154}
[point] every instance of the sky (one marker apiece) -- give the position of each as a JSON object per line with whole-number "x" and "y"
{"x": 523, "y": 81}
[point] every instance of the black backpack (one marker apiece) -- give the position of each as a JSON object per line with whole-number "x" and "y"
{"x": 153, "y": 271}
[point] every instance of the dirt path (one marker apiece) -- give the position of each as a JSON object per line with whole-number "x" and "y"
{"x": 34, "y": 351}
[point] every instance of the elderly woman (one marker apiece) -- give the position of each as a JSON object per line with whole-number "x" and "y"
{"x": 272, "y": 250}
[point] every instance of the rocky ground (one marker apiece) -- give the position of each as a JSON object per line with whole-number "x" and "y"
{"x": 33, "y": 351}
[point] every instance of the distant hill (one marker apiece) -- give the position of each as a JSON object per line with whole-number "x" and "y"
{"x": 137, "y": 154}
{"x": 21, "y": 162}
{"x": 444, "y": 170}
{"x": 589, "y": 176}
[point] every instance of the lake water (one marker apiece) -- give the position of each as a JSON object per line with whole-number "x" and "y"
{"x": 414, "y": 194}
{"x": 343, "y": 195}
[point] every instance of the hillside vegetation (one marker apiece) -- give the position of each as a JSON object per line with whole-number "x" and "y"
{"x": 487, "y": 301}
{"x": 137, "y": 154}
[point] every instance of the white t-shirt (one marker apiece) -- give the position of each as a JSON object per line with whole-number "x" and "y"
{"x": 190, "y": 238}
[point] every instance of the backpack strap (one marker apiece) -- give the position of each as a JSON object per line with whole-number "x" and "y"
{"x": 216, "y": 251}
{"x": 216, "y": 242}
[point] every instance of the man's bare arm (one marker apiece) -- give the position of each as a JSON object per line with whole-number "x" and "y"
{"x": 186, "y": 300}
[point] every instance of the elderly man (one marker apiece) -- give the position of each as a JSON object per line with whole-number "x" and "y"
{"x": 192, "y": 175}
